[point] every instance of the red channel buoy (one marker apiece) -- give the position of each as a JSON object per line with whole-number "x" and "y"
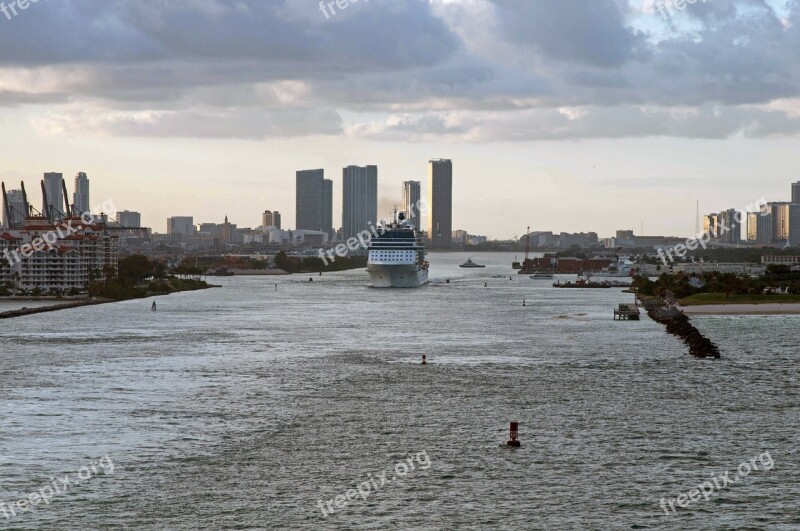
{"x": 513, "y": 439}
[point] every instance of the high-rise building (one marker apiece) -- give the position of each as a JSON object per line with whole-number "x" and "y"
{"x": 440, "y": 202}
{"x": 271, "y": 219}
{"x": 327, "y": 207}
{"x": 780, "y": 222}
{"x": 752, "y": 226}
{"x": 17, "y": 209}
{"x": 411, "y": 201}
{"x": 54, "y": 195}
{"x": 359, "y": 199}
{"x": 794, "y": 225}
{"x": 765, "y": 231}
{"x": 314, "y": 201}
{"x": 711, "y": 225}
{"x": 796, "y": 192}
{"x": 80, "y": 198}
{"x": 181, "y": 225}
{"x": 729, "y": 229}
{"x": 129, "y": 219}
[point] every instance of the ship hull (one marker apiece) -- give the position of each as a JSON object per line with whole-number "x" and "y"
{"x": 397, "y": 276}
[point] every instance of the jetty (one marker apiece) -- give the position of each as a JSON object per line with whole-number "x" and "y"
{"x": 55, "y": 308}
{"x": 678, "y": 324}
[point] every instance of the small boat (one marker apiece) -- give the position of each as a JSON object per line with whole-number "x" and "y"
{"x": 469, "y": 264}
{"x": 538, "y": 275}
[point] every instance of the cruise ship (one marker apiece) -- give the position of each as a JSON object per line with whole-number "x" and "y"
{"x": 397, "y": 256}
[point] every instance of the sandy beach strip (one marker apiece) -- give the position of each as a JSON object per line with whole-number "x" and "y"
{"x": 743, "y": 309}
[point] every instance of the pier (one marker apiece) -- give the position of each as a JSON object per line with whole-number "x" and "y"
{"x": 627, "y": 312}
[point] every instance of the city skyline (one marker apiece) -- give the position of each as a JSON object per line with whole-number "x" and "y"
{"x": 574, "y": 125}
{"x": 781, "y": 226}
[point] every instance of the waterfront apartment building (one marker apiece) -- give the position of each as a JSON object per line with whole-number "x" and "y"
{"x": 314, "y": 201}
{"x": 181, "y": 226}
{"x": 796, "y": 193}
{"x": 440, "y": 203}
{"x": 359, "y": 199}
{"x": 129, "y": 219}
{"x": 76, "y": 255}
{"x": 53, "y": 200}
{"x": 412, "y": 193}
{"x": 80, "y": 198}
{"x": 271, "y": 219}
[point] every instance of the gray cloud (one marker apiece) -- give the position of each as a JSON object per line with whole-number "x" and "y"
{"x": 484, "y": 70}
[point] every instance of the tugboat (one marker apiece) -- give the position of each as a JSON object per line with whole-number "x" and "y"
{"x": 469, "y": 264}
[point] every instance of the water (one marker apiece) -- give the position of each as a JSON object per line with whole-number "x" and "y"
{"x": 243, "y": 407}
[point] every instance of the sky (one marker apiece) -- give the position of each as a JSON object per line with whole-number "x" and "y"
{"x": 562, "y": 115}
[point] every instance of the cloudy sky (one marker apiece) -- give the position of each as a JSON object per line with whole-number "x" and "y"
{"x": 568, "y": 115}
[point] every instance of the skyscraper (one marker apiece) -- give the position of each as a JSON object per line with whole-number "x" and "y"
{"x": 728, "y": 230}
{"x": 752, "y": 226}
{"x": 17, "y": 208}
{"x": 440, "y": 199}
{"x": 80, "y": 199}
{"x": 327, "y": 208}
{"x": 54, "y": 195}
{"x": 796, "y": 192}
{"x": 359, "y": 199}
{"x": 794, "y": 224}
{"x": 780, "y": 222}
{"x": 129, "y": 219}
{"x": 183, "y": 225}
{"x": 271, "y": 219}
{"x": 765, "y": 232}
{"x": 411, "y": 198}
{"x": 314, "y": 201}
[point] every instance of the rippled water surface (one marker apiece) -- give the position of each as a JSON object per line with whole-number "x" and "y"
{"x": 244, "y": 407}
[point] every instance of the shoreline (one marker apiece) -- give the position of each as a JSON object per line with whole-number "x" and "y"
{"x": 768, "y": 308}
{"x": 22, "y": 312}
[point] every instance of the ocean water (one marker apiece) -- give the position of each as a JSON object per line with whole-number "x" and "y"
{"x": 251, "y": 407}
